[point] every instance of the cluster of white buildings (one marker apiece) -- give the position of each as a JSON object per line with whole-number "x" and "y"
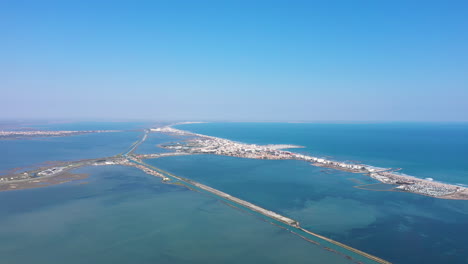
{"x": 49, "y": 133}
{"x": 105, "y": 162}
{"x": 341, "y": 165}
{"x": 51, "y": 171}
{"x": 168, "y": 129}
{"x": 219, "y": 146}
{"x": 17, "y": 177}
{"x": 428, "y": 189}
{"x": 226, "y": 147}
{"x": 35, "y": 133}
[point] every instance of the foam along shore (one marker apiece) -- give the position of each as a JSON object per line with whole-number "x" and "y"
{"x": 203, "y": 144}
{"x": 283, "y": 146}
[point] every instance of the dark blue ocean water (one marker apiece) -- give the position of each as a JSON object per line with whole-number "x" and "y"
{"x": 435, "y": 150}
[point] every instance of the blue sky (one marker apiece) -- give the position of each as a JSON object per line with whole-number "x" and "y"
{"x": 235, "y": 60}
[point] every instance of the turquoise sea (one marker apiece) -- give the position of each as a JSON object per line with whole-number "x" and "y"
{"x": 426, "y": 150}
{"x": 121, "y": 215}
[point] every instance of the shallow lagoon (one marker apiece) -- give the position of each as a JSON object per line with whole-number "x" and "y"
{"x": 112, "y": 218}
{"x": 34, "y": 151}
{"x": 399, "y": 227}
{"x": 80, "y": 126}
{"x": 122, "y": 215}
{"x": 150, "y": 145}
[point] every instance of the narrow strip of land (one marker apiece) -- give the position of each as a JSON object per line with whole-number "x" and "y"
{"x": 21, "y": 134}
{"x": 166, "y": 176}
{"x": 60, "y": 173}
{"x": 203, "y": 144}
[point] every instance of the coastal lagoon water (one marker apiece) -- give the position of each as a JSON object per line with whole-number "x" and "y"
{"x": 425, "y": 150}
{"x": 151, "y": 144}
{"x": 122, "y": 215}
{"x": 399, "y": 227}
{"x": 81, "y": 126}
{"x": 34, "y": 151}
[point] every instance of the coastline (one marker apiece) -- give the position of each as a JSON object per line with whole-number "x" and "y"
{"x": 43, "y": 182}
{"x": 26, "y": 134}
{"x": 60, "y": 173}
{"x": 284, "y": 222}
{"x": 204, "y": 144}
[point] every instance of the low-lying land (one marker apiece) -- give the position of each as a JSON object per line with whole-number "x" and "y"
{"x": 43, "y": 176}
{"x": 246, "y": 205}
{"x": 60, "y": 172}
{"x": 17, "y": 134}
{"x": 203, "y": 144}
{"x": 42, "y": 181}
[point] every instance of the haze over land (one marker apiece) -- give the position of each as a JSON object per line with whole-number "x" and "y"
{"x": 235, "y": 60}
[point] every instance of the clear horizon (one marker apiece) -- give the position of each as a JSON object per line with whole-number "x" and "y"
{"x": 270, "y": 61}
{"x": 175, "y": 121}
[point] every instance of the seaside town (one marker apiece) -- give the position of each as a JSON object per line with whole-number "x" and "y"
{"x": 203, "y": 144}
{"x": 47, "y": 133}
{"x": 192, "y": 144}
